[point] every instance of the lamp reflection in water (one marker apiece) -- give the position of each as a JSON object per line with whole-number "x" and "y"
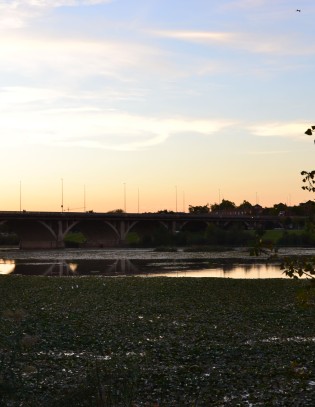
{"x": 7, "y": 266}
{"x": 61, "y": 269}
{"x": 73, "y": 267}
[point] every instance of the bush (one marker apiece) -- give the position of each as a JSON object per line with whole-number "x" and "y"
{"x": 74, "y": 239}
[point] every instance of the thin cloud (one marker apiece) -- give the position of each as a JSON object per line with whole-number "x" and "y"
{"x": 257, "y": 43}
{"x": 276, "y": 45}
{"x": 126, "y": 132}
{"x": 245, "y": 4}
{"x": 199, "y": 36}
{"x": 70, "y": 59}
{"x": 195, "y": 36}
{"x": 271, "y": 152}
{"x": 19, "y": 13}
{"x": 88, "y": 125}
{"x": 14, "y": 4}
{"x": 276, "y": 129}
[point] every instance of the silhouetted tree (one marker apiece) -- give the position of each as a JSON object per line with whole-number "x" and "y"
{"x": 199, "y": 209}
{"x": 165, "y": 211}
{"x": 225, "y": 205}
{"x": 116, "y": 211}
{"x": 245, "y": 206}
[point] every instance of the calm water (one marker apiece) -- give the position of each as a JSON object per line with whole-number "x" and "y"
{"x": 140, "y": 262}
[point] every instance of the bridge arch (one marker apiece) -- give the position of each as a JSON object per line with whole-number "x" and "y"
{"x": 150, "y": 230}
{"x": 98, "y": 233}
{"x": 193, "y": 226}
{"x": 34, "y": 233}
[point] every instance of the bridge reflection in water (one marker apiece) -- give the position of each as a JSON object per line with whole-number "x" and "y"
{"x": 139, "y": 268}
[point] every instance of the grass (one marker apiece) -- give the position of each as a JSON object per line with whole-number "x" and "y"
{"x": 274, "y": 235}
{"x": 155, "y": 342}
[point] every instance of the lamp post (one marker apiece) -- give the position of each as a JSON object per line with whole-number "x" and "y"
{"x": 84, "y": 206}
{"x": 175, "y": 198}
{"x": 20, "y": 196}
{"x": 125, "y": 204}
{"x": 61, "y": 194}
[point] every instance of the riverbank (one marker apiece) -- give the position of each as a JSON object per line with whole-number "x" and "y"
{"x": 158, "y": 342}
{"x": 235, "y": 253}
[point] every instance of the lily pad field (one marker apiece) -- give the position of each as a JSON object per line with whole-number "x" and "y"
{"x": 91, "y": 341}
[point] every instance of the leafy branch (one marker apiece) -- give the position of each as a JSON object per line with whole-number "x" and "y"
{"x": 297, "y": 267}
{"x": 309, "y": 176}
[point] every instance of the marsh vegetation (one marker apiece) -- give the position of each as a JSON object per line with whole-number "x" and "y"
{"x": 155, "y": 342}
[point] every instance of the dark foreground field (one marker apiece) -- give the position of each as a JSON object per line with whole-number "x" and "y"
{"x": 155, "y": 342}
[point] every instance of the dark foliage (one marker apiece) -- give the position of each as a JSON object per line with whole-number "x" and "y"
{"x": 158, "y": 342}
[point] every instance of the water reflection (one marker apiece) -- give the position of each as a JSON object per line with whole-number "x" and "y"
{"x": 138, "y": 267}
{"x": 60, "y": 269}
{"x": 7, "y": 266}
{"x": 253, "y": 271}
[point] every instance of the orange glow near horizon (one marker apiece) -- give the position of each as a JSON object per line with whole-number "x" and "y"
{"x": 146, "y": 199}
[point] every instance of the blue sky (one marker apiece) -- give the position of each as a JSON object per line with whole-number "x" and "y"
{"x": 156, "y": 99}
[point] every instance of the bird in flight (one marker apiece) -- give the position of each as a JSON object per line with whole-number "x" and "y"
{"x": 298, "y": 10}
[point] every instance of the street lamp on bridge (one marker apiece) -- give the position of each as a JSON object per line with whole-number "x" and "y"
{"x": 61, "y": 194}
{"x": 125, "y": 199}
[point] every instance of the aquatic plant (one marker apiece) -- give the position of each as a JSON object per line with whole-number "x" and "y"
{"x": 155, "y": 342}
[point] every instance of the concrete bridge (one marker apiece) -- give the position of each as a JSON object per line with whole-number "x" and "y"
{"x": 47, "y": 230}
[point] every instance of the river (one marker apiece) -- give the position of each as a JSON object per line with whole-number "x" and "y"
{"x": 236, "y": 263}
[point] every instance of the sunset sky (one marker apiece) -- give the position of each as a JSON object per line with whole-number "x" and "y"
{"x": 155, "y": 104}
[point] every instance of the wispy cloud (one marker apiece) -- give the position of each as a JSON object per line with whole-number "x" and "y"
{"x": 52, "y": 117}
{"x": 198, "y": 36}
{"x": 18, "y": 13}
{"x": 254, "y": 42}
{"x": 245, "y": 3}
{"x": 271, "y": 152}
{"x": 14, "y": 4}
{"x": 42, "y": 123}
{"x": 278, "y": 129}
{"x": 69, "y": 59}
